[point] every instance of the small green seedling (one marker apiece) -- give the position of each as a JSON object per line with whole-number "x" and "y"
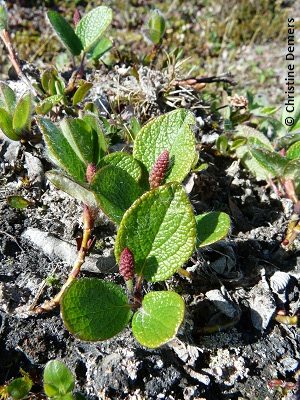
{"x": 155, "y": 31}
{"x": 18, "y": 388}
{"x": 156, "y": 27}
{"x": 15, "y": 116}
{"x": 59, "y": 382}
{"x": 157, "y": 229}
{"x": 87, "y": 37}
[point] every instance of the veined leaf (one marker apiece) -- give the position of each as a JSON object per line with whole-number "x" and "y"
{"x": 93, "y": 25}
{"x": 95, "y": 310}
{"x": 159, "y": 318}
{"x": 124, "y": 161}
{"x": 172, "y": 132}
{"x": 115, "y": 191}
{"x": 160, "y": 230}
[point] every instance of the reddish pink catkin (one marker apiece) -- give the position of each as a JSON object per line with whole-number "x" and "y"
{"x": 126, "y": 264}
{"x": 76, "y": 17}
{"x": 90, "y": 172}
{"x": 159, "y": 170}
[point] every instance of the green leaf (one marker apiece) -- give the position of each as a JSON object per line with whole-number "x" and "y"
{"x": 156, "y": 27}
{"x": 94, "y": 310}
{"x": 47, "y": 104}
{"x": 61, "y": 151}
{"x": 58, "y": 379}
{"x": 115, "y": 191}
{"x": 124, "y": 161}
{"x": 74, "y": 189}
{"x": 7, "y": 98}
{"x": 211, "y": 227}
{"x": 6, "y": 125}
{"x": 159, "y": 319}
{"x": 93, "y": 25}
{"x": 81, "y": 92}
{"x": 65, "y": 32}
{"x": 19, "y": 388}
{"x": 253, "y": 138}
{"x": 22, "y": 114}
{"x": 222, "y": 144}
{"x": 17, "y": 202}
{"x": 272, "y": 162}
{"x": 293, "y": 151}
{"x": 160, "y": 230}
{"x": 290, "y": 114}
{"x": 172, "y": 132}
{"x": 101, "y": 48}
{"x": 82, "y": 139}
{"x": 95, "y": 125}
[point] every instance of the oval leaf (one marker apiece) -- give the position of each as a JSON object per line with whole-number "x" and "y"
{"x": 61, "y": 151}
{"x": 94, "y": 310}
{"x": 293, "y": 152}
{"x": 6, "y": 125}
{"x": 7, "y": 98}
{"x": 159, "y": 319}
{"x": 58, "y": 379}
{"x": 73, "y": 189}
{"x": 115, "y": 191}
{"x": 19, "y": 388}
{"x": 81, "y": 92}
{"x": 160, "y": 230}
{"x": 22, "y": 113}
{"x": 65, "y": 32}
{"x": 211, "y": 227}
{"x": 93, "y": 25}
{"x": 124, "y": 161}
{"x": 170, "y": 132}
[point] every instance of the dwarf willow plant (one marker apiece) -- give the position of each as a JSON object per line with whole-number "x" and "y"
{"x": 87, "y": 37}
{"x": 157, "y": 228}
{"x": 15, "y": 115}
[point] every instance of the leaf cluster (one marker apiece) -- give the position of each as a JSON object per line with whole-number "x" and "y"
{"x": 157, "y": 225}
